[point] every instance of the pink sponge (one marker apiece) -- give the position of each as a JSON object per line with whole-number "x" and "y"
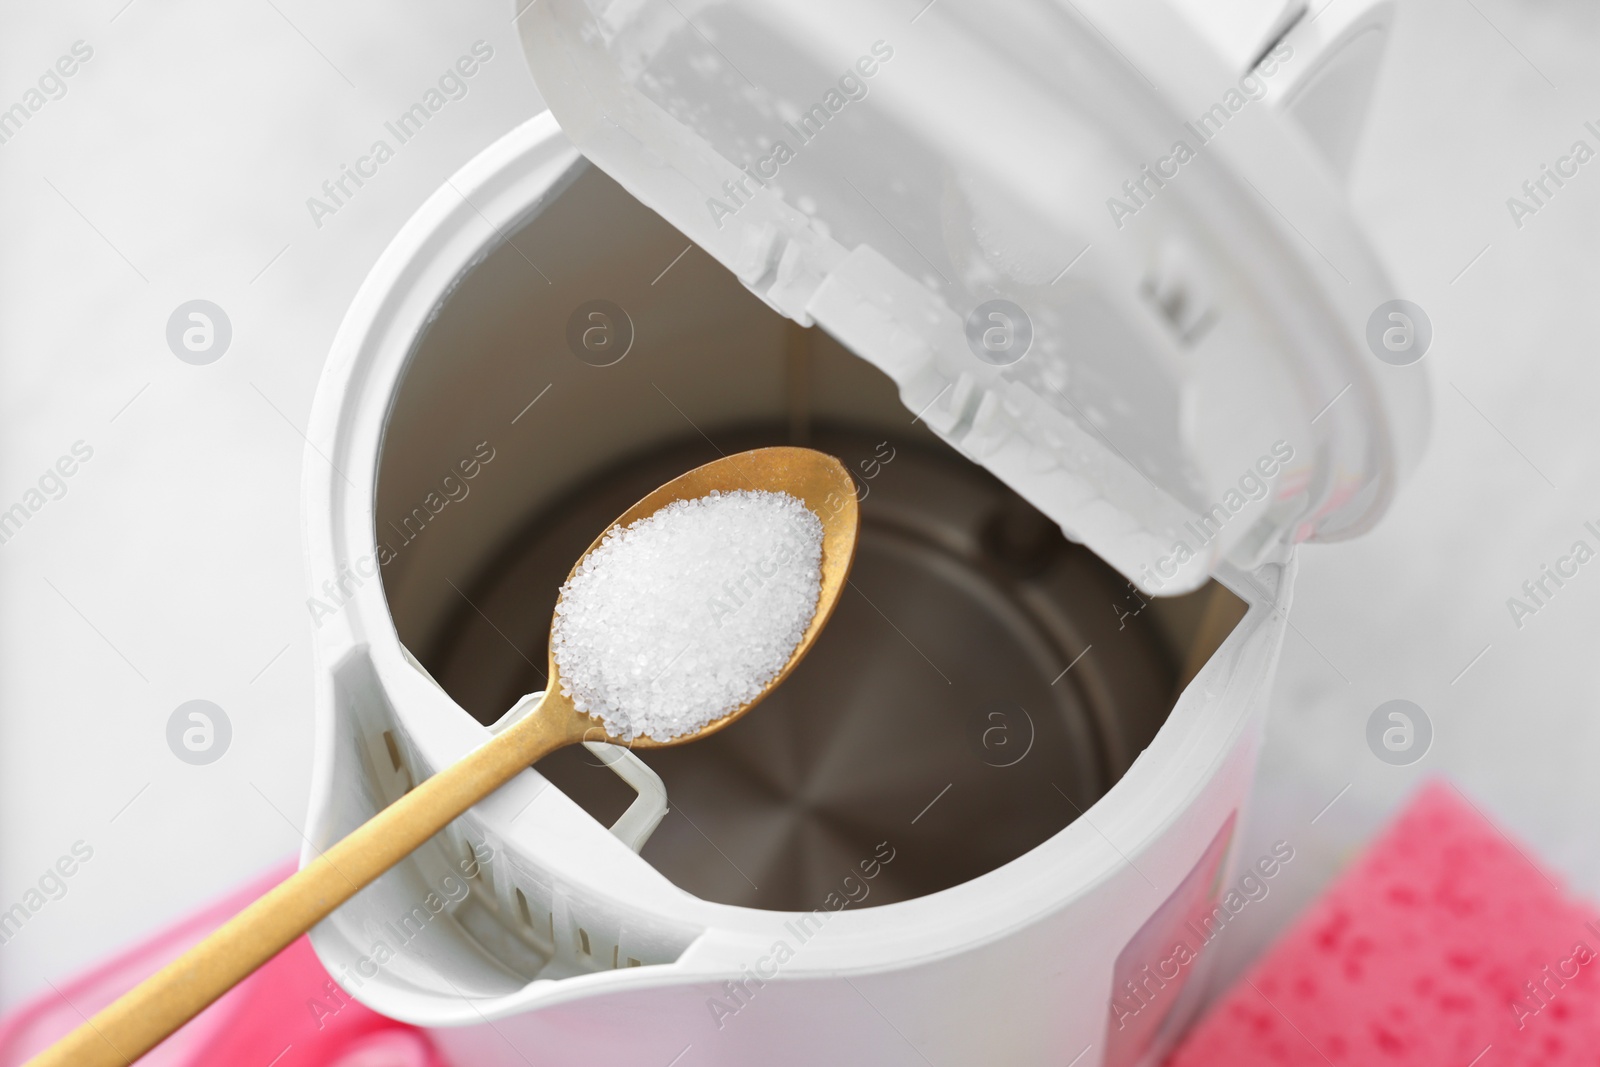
{"x": 1444, "y": 946}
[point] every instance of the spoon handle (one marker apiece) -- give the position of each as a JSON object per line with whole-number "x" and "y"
{"x": 143, "y": 1017}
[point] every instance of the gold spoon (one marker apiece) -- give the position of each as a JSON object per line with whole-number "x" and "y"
{"x": 141, "y": 1019}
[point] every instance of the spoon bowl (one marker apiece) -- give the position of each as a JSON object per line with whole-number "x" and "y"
{"x": 139, "y": 1020}
{"x": 820, "y": 482}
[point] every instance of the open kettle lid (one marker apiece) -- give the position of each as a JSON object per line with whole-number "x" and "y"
{"x": 1097, "y": 260}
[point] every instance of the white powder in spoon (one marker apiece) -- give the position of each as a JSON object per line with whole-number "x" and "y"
{"x": 679, "y": 618}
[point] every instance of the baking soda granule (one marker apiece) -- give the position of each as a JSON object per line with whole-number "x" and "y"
{"x": 683, "y": 616}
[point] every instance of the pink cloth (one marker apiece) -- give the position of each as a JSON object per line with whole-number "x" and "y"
{"x": 287, "y": 1014}
{"x": 1443, "y": 946}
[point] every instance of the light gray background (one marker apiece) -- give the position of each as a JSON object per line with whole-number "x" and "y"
{"x": 177, "y": 167}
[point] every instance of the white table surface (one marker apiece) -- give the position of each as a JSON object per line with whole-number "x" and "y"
{"x": 177, "y": 167}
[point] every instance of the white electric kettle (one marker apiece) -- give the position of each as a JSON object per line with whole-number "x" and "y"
{"x": 1073, "y": 289}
